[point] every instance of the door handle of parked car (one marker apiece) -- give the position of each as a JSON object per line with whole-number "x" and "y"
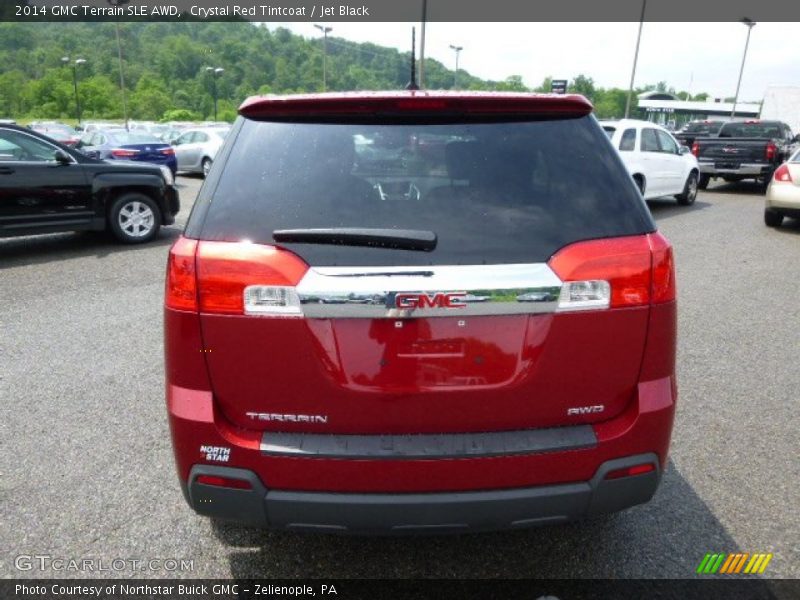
{"x": 6, "y": 171}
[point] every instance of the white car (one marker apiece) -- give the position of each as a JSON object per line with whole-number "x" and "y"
{"x": 195, "y": 149}
{"x": 659, "y": 165}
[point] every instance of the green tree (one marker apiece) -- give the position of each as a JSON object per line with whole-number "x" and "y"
{"x": 511, "y": 84}
{"x": 584, "y": 86}
{"x": 150, "y": 99}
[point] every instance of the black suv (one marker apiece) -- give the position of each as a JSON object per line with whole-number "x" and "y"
{"x": 46, "y": 187}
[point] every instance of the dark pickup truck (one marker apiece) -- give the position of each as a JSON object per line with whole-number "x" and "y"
{"x": 698, "y": 129}
{"x": 46, "y": 187}
{"x": 744, "y": 150}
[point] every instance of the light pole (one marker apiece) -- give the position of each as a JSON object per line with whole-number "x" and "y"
{"x": 457, "y": 50}
{"x": 325, "y": 31}
{"x": 74, "y": 65}
{"x": 422, "y": 45}
{"x": 750, "y": 24}
{"x": 635, "y": 60}
{"x": 215, "y": 72}
{"x": 121, "y": 71}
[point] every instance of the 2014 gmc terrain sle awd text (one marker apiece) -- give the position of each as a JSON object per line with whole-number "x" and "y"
{"x": 419, "y": 311}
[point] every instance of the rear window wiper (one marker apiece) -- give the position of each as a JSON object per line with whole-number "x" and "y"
{"x": 400, "y": 239}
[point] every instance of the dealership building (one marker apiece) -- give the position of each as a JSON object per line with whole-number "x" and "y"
{"x": 670, "y": 111}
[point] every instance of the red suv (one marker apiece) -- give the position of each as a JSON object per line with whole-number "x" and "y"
{"x": 419, "y": 311}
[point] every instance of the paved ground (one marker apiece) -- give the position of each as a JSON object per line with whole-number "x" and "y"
{"x": 87, "y": 471}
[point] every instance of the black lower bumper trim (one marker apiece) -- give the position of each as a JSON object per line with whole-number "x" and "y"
{"x": 437, "y": 512}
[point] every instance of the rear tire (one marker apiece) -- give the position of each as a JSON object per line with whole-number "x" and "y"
{"x": 702, "y": 183}
{"x": 206, "y": 166}
{"x": 134, "y": 218}
{"x": 772, "y": 218}
{"x": 763, "y": 183}
{"x": 640, "y": 183}
{"x": 689, "y": 194}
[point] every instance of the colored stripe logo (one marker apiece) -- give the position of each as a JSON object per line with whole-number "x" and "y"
{"x": 732, "y": 564}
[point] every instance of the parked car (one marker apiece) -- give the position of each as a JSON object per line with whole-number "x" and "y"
{"x": 171, "y": 134}
{"x": 750, "y": 149}
{"x": 47, "y": 187}
{"x": 195, "y": 149}
{"x": 698, "y": 129}
{"x": 59, "y": 132}
{"x": 90, "y": 126}
{"x": 783, "y": 193}
{"x": 658, "y": 164}
{"x": 325, "y": 367}
{"x": 118, "y": 144}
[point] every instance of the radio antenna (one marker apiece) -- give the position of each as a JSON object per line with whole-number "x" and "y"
{"x": 412, "y": 85}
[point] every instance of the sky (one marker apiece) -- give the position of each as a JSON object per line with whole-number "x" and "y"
{"x": 696, "y": 57}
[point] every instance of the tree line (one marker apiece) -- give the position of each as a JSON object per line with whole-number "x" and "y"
{"x": 166, "y": 77}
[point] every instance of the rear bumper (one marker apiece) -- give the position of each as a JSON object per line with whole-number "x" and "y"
{"x": 379, "y": 494}
{"x": 441, "y": 512}
{"x": 784, "y": 196}
{"x": 744, "y": 170}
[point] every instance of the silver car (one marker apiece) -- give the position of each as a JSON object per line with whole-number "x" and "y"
{"x": 196, "y": 148}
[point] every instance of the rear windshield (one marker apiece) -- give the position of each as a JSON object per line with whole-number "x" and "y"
{"x": 712, "y": 127}
{"x": 124, "y": 137}
{"x": 754, "y": 130}
{"x": 492, "y": 193}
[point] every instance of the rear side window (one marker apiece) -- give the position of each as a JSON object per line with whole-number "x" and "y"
{"x": 668, "y": 145}
{"x": 628, "y": 141}
{"x": 650, "y": 141}
{"x": 492, "y": 193}
{"x": 703, "y": 128}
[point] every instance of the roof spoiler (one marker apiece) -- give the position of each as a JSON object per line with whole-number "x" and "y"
{"x": 412, "y": 103}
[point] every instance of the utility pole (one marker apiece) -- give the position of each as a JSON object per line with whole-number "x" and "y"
{"x": 422, "y": 45}
{"x": 74, "y": 65}
{"x": 635, "y": 60}
{"x": 215, "y": 72}
{"x": 121, "y": 70}
{"x": 750, "y": 24}
{"x": 325, "y": 31}
{"x": 457, "y": 50}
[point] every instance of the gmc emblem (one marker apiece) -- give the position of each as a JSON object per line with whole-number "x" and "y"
{"x": 412, "y": 300}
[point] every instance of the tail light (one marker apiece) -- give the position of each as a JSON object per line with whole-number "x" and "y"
{"x": 181, "y": 287}
{"x": 233, "y": 278}
{"x": 663, "y": 287}
{"x": 614, "y": 273}
{"x": 167, "y": 151}
{"x": 124, "y": 152}
{"x": 782, "y": 174}
{"x": 770, "y": 151}
{"x": 696, "y": 149}
{"x": 238, "y": 278}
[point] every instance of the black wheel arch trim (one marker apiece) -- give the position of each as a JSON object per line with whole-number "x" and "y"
{"x": 107, "y": 186}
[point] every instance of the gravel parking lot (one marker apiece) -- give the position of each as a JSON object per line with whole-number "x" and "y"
{"x": 87, "y": 468}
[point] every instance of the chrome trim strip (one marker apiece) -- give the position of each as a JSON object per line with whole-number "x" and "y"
{"x": 428, "y": 446}
{"x": 440, "y": 291}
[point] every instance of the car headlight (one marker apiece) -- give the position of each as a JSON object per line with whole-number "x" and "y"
{"x": 170, "y": 179}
